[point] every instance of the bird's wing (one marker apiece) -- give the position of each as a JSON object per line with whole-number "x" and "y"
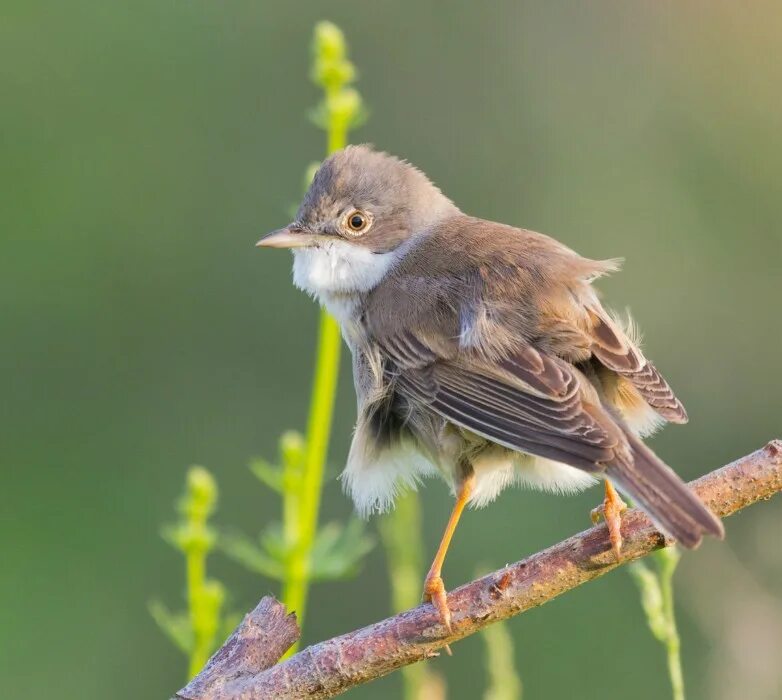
{"x": 614, "y": 350}
{"x": 492, "y": 342}
{"x": 530, "y": 402}
{"x": 457, "y": 323}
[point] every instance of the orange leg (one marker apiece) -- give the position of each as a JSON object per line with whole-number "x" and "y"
{"x": 612, "y": 509}
{"x": 434, "y": 588}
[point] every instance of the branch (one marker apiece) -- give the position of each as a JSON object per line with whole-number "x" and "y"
{"x": 259, "y": 641}
{"x": 242, "y": 669}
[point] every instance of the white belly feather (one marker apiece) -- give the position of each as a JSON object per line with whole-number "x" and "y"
{"x": 495, "y": 470}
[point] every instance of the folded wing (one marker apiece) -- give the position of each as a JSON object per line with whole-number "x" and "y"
{"x": 616, "y": 351}
{"x": 529, "y": 402}
{"x": 541, "y": 405}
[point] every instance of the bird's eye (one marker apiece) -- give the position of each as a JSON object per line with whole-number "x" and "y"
{"x": 357, "y": 222}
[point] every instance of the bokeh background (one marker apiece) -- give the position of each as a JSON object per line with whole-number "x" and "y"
{"x": 145, "y": 146}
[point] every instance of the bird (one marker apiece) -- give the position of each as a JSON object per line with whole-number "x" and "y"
{"x": 481, "y": 353}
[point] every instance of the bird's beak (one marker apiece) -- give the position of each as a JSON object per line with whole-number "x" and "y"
{"x": 288, "y": 237}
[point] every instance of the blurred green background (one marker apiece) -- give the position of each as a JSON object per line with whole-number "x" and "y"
{"x": 145, "y": 146}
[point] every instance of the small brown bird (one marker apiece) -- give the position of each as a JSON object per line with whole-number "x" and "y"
{"x": 481, "y": 353}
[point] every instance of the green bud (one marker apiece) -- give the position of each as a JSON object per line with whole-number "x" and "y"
{"x": 331, "y": 68}
{"x": 344, "y": 106}
{"x": 329, "y": 41}
{"x": 292, "y": 448}
{"x": 200, "y": 495}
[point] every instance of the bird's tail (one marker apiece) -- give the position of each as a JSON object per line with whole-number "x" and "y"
{"x": 667, "y": 500}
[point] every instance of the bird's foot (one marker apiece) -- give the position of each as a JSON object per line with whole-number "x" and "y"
{"x": 434, "y": 593}
{"x": 611, "y": 511}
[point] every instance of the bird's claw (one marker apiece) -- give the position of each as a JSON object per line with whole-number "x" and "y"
{"x": 611, "y": 511}
{"x": 434, "y": 593}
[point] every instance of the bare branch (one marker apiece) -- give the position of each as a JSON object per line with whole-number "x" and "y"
{"x": 258, "y": 643}
{"x": 241, "y": 669}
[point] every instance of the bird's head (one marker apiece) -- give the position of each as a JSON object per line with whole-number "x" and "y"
{"x": 364, "y": 198}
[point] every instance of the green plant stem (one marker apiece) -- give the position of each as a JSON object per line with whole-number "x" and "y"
{"x": 301, "y": 511}
{"x": 195, "y": 539}
{"x": 195, "y": 630}
{"x": 667, "y": 565}
{"x": 196, "y": 585}
{"x": 293, "y": 586}
{"x": 337, "y": 137}
{"x": 655, "y": 585}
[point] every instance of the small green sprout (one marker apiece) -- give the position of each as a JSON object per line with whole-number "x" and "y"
{"x": 341, "y": 108}
{"x": 280, "y": 552}
{"x": 196, "y": 631}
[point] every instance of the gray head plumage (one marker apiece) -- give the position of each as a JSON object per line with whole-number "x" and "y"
{"x": 396, "y": 197}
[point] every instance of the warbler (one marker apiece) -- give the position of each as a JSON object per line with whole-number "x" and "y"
{"x": 481, "y": 353}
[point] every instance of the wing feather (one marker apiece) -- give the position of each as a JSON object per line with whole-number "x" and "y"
{"x": 615, "y": 351}
{"x": 530, "y": 402}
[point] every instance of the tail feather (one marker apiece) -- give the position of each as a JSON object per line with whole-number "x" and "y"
{"x": 667, "y": 500}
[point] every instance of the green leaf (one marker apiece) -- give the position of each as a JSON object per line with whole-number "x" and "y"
{"x": 319, "y": 115}
{"x": 172, "y": 534}
{"x": 189, "y": 537}
{"x": 360, "y": 117}
{"x": 338, "y": 550}
{"x": 176, "y": 626}
{"x": 244, "y": 551}
{"x": 267, "y": 473}
{"x": 273, "y": 542}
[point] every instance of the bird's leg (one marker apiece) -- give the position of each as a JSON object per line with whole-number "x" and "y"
{"x": 612, "y": 509}
{"x": 434, "y": 588}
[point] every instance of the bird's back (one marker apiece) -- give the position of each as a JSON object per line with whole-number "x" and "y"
{"x": 489, "y": 288}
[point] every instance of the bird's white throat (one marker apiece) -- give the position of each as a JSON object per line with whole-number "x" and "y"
{"x": 338, "y": 272}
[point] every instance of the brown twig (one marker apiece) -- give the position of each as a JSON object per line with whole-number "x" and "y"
{"x": 242, "y": 670}
{"x": 258, "y": 643}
